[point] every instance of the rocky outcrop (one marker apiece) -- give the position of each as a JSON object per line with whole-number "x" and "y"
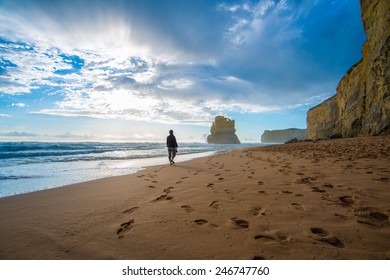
{"x": 223, "y": 131}
{"x": 361, "y": 106}
{"x": 282, "y": 135}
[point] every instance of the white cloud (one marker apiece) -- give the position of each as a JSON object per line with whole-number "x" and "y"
{"x": 256, "y": 19}
{"x": 19, "y": 134}
{"x": 34, "y": 66}
{"x": 262, "y": 7}
{"x": 237, "y": 106}
{"x": 175, "y": 84}
{"x": 130, "y": 106}
{"x": 20, "y": 105}
{"x": 229, "y": 8}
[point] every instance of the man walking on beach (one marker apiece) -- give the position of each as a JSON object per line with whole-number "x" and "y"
{"x": 172, "y": 146}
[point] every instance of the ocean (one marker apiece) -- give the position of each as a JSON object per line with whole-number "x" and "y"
{"x": 32, "y": 166}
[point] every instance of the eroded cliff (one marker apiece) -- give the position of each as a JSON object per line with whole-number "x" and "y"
{"x": 223, "y": 131}
{"x": 361, "y": 106}
{"x": 282, "y": 135}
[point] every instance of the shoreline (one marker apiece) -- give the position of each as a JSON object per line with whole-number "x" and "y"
{"x": 311, "y": 200}
{"x": 155, "y": 162}
{"x": 83, "y": 171}
{"x": 136, "y": 164}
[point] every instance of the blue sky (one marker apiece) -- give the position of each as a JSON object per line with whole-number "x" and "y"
{"x": 131, "y": 70}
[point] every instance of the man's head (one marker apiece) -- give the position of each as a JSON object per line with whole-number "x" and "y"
{"x": 171, "y": 132}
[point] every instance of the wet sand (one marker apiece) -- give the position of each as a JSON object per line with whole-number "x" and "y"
{"x": 311, "y": 200}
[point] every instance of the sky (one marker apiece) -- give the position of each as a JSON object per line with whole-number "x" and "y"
{"x": 131, "y": 70}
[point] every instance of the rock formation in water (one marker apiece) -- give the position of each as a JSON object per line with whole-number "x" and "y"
{"x": 282, "y": 135}
{"x": 223, "y": 132}
{"x": 361, "y": 106}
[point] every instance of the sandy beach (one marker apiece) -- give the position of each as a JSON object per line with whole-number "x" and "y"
{"x": 327, "y": 199}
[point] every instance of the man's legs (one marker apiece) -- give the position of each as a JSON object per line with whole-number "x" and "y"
{"x": 171, "y": 155}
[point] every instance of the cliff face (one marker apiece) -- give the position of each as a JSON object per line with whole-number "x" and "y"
{"x": 361, "y": 106}
{"x": 223, "y": 132}
{"x": 283, "y": 135}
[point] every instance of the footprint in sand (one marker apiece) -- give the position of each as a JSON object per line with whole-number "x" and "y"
{"x": 287, "y": 192}
{"x": 130, "y": 210}
{"x": 328, "y": 185}
{"x": 214, "y": 204}
{"x": 210, "y": 185}
{"x": 202, "y": 222}
{"x": 382, "y": 179}
{"x": 298, "y": 206}
{"x": 343, "y": 217}
{"x": 371, "y": 216}
{"x": 125, "y": 227}
{"x": 265, "y": 237}
{"x": 167, "y": 190}
{"x": 239, "y": 223}
{"x": 278, "y": 236}
{"x": 258, "y": 258}
{"x": 317, "y": 189}
{"x": 163, "y": 197}
{"x": 255, "y": 211}
{"x": 324, "y": 236}
{"x": 347, "y": 200}
{"x": 304, "y": 180}
{"x": 188, "y": 209}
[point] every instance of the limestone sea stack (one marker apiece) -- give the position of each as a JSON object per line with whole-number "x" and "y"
{"x": 282, "y": 135}
{"x": 361, "y": 106}
{"x": 223, "y": 131}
